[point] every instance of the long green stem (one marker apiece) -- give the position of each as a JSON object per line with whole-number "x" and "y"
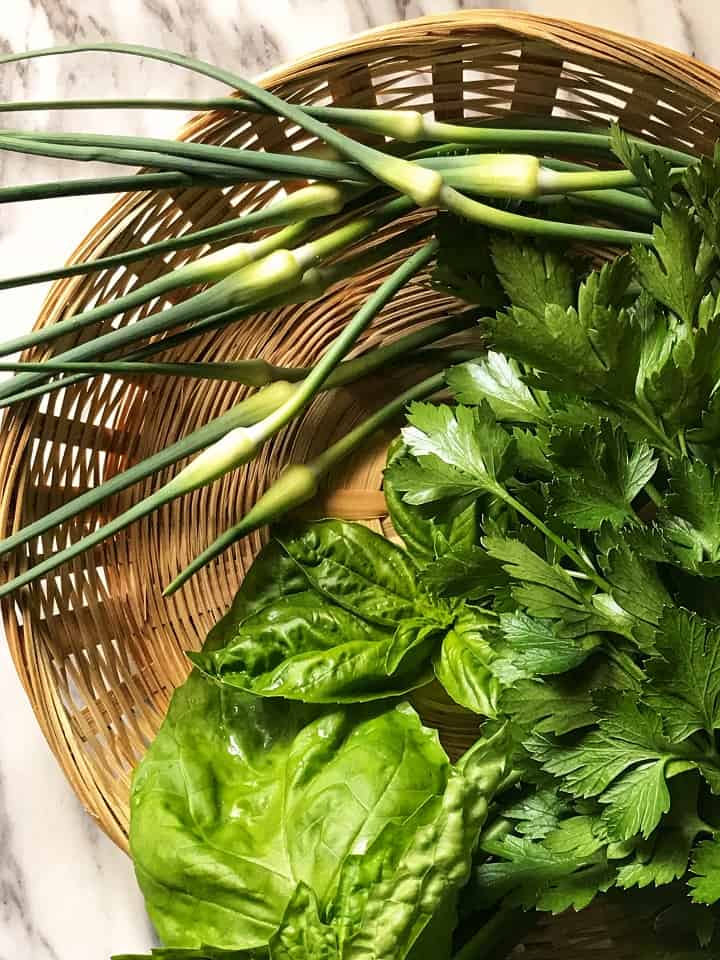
{"x": 566, "y": 548}
{"x": 394, "y": 122}
{"x": 505, "y": 220}
{"x": 250, "y": 285}
{"x": 344, "y": 342}
{"x": 129, "y": 158}
{"x": 166, "y": 153}
{"x": 316, "y": 200}
{"x": 136, "y": 182}
{"x": 252, "y": 373}
{"x": 507, "y": 927}
{"x": 312, "y": 285}
{"x": 208, "y": 269}
{"x": 299, "y": 482}
{"x": 245, "y": 413}
{"x": 422, "y": 185}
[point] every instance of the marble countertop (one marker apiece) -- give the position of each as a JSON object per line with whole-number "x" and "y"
{"x": 66, "y": 893}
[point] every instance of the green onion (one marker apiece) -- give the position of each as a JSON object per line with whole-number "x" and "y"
{"x": 137, "y": 182}
{"x": 405, "y": 125}
{"x": 497, "y": 219}
{"x": 308, "y": 203}
{"x": 187, "y": 157}
{"x": 208, "y": 269}
{"x": 246, "y": 412}
{"x": 313, "y": 284}
{"x": 278, "y": 271}
{"x": 298, "y": 483}
{"x": 422, "y": 185}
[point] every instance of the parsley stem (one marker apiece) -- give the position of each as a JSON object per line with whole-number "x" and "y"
{"x": 496, "y": 938}
{"x": 662, "y": 439}
{"x": 654, "y": 494}
{"x": 570, "y": 552}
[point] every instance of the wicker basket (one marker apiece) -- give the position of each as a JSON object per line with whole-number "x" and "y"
{"x": 96, "y": 647}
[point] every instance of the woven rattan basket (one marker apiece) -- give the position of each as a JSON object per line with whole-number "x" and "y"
{"x": 96, "y": 647}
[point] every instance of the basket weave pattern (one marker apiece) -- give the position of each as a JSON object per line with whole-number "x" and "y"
{"x": 96, "y": 647}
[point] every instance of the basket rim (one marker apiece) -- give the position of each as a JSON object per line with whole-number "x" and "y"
{"x": 528, "y": 25}
{"x": 34, "y": 670}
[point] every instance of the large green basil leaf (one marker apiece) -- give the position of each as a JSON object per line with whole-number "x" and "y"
{"x": 239, "y": 799}
{"x": 463, "y": 665}
{"x": 355, "y": 568}
{"x": 310, "y": 620}
{"x": 426, "y": 538}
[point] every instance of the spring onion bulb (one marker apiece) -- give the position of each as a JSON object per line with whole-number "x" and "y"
{"x": 408, "y": 126}
{"x": 307, "y": 203}
{"x": 208, "y": 269}
{"x": 246, "y": 412}
{"x": 258, "y": 281}
{"x": 313, "y": 283}
{"x": 241, "y": 443}
{"x": 298, "y": 483}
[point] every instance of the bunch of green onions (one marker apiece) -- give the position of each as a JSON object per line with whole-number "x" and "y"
{"x": 425, "y": 166}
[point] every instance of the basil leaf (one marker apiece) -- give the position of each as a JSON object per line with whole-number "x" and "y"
{"x": 463, "y": 666}
{"x": 239, "y": 800}
{"x": 355, "y": 568}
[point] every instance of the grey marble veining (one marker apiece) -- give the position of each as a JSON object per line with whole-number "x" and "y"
{"x": 65, "y": 892}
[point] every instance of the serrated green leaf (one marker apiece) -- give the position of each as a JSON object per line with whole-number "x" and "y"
{"x": 538, "y": 813}
{"x": 705, "y": 884}
{"x": 578, "y": 836}
{"x": 469, "y": 573}
{"x": 456, "y": 454}
{"x": 664, "y": 857}
{"x": 533, "y": 647}
{"x": 564, "y": 703}
{"x": 676, "y": 269}
{"x": 598, "y": 475}
{"x": 531, "y": 275}
{"x": 426, "y": 539}
{"x": 636, "y": 588}
{"x": 526, "y": 874}
{"x": 463, "y": 266}
{"x": 636, "y": 802}
{"x": 497, "y": 381}
{"x": 685, "y": 674}
{"x": 652, "y": 171}
{"x": 691, "y": 522}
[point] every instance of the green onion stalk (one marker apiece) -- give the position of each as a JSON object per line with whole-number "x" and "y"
{"x": 308, "y": 203}
{"x": 206, "y": 270}
{"x": 248, "y": 412}
{"x": 423, "y": 185}
{"x": 275, "y": 273}
{"x": 313, "y": 284}
{"x": 249, "y": 373}
{"x": 408, "y": 126}
{"x": 298, "y": 483}
{"x": 416, "y": 182}
{"x": 131, "y": 183}
{"x": 496, "y": 175}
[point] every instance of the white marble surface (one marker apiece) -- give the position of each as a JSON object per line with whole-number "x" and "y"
{"x": 65, "y": 892}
